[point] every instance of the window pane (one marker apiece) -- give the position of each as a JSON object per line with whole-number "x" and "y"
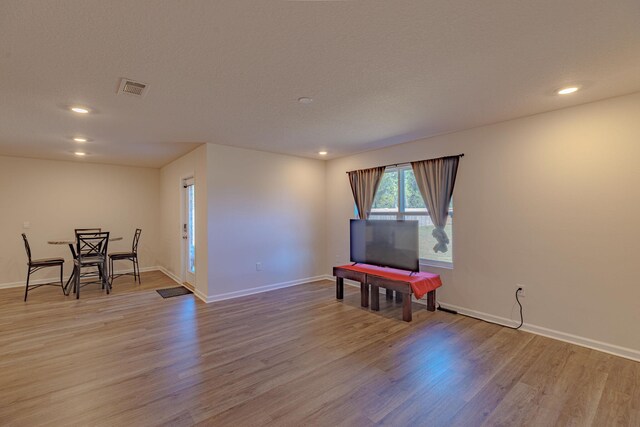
{"x": 387, "y": 195}
{"x": 427, "y": 241}
{"x": 413, "y": 198}
{"x": 191, "y": 230}
{"x": 383, "y": 216}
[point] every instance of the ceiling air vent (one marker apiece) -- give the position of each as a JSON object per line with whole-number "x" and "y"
{"x": 133, "y": 88}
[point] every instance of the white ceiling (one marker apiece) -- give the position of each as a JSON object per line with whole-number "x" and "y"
{"x": 230, "y": 72}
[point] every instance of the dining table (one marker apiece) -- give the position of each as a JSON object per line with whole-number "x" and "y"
{"x": 71, "y": 243}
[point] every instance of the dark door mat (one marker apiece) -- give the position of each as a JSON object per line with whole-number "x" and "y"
{"x": 173, "y": 292}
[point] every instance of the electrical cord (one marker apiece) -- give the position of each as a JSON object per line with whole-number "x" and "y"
{"x": 521, "y": 315}
{"x": 487, "y": 321}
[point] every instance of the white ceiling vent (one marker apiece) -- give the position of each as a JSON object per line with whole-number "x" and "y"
{"x": 133, "y": 88}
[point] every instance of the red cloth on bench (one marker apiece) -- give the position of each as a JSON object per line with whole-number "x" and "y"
{"x": 421, "y": 282}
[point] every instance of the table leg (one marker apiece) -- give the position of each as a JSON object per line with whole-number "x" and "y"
{"x": 375, "y": 298}
{"x": 105, "y": 278}
{"x": 77, "y": 282}
{"x": 389, "y": 294}
{"x": 364, "y": 294}
{"x": 339, "y": 288}
{"x": 66, "y": 285}
{"x": 431, "y": 300}
{"x": 101, "y": 274}
{"x": 73, "y": 271}
{"x": 406, "y": 307}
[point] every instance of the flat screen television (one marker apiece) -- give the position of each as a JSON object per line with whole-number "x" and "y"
{"x": 386, "y": 243}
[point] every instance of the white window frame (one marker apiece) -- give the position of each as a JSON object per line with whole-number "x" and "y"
{"x": 402, "y": 212}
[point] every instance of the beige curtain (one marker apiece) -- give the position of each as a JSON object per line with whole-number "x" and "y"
{"x": 364, "y": 184}
{"x": 436, "y": 179}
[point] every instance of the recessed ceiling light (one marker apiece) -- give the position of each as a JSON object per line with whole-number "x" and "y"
{"x": 305, "y": 100}
{"x": 80, "y": 139}
{"x": 80, "y": 153}
{"x": 568, "y": 90}
{"x": 80, "y": 110}
{"x": 322, "y": 153}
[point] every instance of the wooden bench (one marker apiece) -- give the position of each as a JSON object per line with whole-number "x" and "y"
{"x": 377, "y": 278}
{"x": 341, "y": 274}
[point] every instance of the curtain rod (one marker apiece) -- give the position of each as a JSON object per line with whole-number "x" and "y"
{"x": 424, "y": 160}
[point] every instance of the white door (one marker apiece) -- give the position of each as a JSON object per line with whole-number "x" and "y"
{"x": 189, "y": 232}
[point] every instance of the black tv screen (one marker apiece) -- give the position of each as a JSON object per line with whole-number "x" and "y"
{"x": 386, "y": 243}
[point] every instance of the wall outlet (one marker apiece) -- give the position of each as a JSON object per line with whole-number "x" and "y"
{"x": 522, "y": 292}
{"x": 258, "y": 266}
{"x": 26, "y": 225}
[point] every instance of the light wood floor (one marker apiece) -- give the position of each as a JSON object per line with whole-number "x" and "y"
{"x": 289, "y": 357}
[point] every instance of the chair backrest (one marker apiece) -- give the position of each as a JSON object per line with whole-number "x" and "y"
{"x": 88, "y": 230}
{"x": 92, "y": 244}
{"x": 26, "y": 246}
{"x": 136, "y": 239}
{"x": 86, "y": 249}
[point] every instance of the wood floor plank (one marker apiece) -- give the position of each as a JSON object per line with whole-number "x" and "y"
{"x": 620, "y": 401}
{"x": 294, "y": 356}
{"x": 487, "y": 399}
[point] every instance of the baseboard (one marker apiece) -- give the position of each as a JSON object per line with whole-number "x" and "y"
{"x": 170, "y": 275}
{"x": 245, "y": 292}
{"x": 261, "y": 289}
{"x": 616, "y": 350}
{"x": 166, "y": 272}
{"x": 179, "y": 281}
{"x": 65, "y": 278}
{"x": 355, "y": 284}
{"x": 200, "y": 295}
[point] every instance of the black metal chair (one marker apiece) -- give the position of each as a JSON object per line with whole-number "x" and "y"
{"x": 131, "y": 256}
{"x": 87, "y": 250}
{"x": 39, "y": 264}
{"x": 91, "y": 251}
{"x": 77, "y": 231}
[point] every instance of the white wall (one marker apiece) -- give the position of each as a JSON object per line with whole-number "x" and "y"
{"x": 551, "y": 201}
{"x": 57, "y": 196}
{"x": 266, "y": 208}
{"x": 193, "y": 164}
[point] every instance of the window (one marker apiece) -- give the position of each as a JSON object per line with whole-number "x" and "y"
{"x": 398, "y": 197}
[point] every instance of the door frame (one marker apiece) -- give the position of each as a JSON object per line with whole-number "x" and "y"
{"x": 184, "y": 260}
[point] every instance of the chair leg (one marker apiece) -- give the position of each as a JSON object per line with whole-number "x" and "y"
{"x": 77, "y": 269}
{"x": 77, "y": 285}
{"x": 138, "y": 268}
{"x": 61, "y": 279}
{"x": 26, "y": 289}
{"x": 105, "y": 277}
{"x": 100, "y": 272}
{"x": 136, "y": 274}
{"x": 111, "y": 271}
